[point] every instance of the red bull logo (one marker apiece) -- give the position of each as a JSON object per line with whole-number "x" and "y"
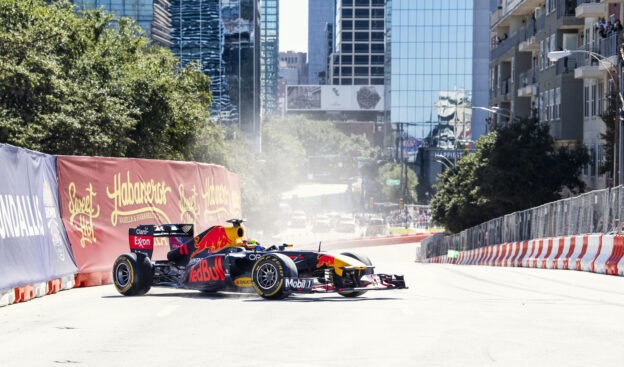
{"x": 205, "y": 272}
{"x": 324, "y": 261}
{"x": 213, "y": 240}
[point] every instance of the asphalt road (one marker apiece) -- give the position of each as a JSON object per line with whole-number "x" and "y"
{"x": 450, "y": 316}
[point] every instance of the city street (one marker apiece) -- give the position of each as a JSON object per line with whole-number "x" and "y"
{"x": 449, "y": 316}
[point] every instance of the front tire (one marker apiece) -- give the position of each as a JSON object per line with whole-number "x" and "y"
{"x": 132, "y": 274}
{"x": 269, "y": 273}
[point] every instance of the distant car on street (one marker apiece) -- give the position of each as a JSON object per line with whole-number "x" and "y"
{"x": 376, "y": 226}
{"x": 321, "y": 224}
{"x": 346, "y": 224}
{"x": 299, "y": 219}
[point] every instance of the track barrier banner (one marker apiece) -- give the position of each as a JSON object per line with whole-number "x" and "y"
{"x": 101, "y": 198}
{"x": 34, "y": 247}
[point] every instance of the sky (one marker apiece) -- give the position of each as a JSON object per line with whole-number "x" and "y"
{"x": 293, "y": 24}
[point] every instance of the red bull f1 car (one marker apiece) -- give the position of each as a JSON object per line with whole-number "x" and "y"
{"x": 219, "y": 259}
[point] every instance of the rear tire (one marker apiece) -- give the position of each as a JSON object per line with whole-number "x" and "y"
{"x": 269, "y": 273}
{"x": 132, "y": 274}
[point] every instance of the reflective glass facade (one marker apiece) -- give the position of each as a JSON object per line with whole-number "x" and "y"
{"x": 269, "y": 62}
{"x": 321, "y": 18}
{"x": 431, "y": 61}
{"x": 151, "y": 15}
{"x": 221, "y": 36}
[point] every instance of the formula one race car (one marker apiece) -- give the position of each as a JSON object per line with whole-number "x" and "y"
{"x": 219, "y": 259}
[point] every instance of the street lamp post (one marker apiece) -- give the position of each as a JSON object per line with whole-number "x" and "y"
{"x": 617, "y": 139}
{"x": 498, "y": 111}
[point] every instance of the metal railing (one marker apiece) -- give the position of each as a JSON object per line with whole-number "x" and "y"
{"x": 504, "y": 46}
{"x": 600, "y": 211}
{"x": 528, "y": 77}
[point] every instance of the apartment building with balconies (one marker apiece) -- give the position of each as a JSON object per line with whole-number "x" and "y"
{"x": 596, "y": 65}
{"x": 569, "y": 94}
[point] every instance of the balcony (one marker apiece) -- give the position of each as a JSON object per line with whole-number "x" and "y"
{"x": 529, "y": 45}
{"x": 512, "y": 8}
{"x": 526, "y": 37}
{"x": 503, "y": 89}
{"x": 527, "y": 81}
{"x": 504, "y": 46}
{"x": 590, "y": 9}
{"x": 588, "y": 67}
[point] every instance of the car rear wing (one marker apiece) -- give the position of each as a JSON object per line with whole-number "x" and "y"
{"x": 141, "y": 238}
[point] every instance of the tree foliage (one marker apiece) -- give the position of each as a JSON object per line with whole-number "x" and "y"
{"x": 286, "y": 145}
{"x": 94, "y": 85}
{"x": 513, "y": 168}
{"x": 609, "y": 117}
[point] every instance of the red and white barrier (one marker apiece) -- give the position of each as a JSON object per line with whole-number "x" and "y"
{"x": 594, "y": 244}
{"x": 602, "y": 254}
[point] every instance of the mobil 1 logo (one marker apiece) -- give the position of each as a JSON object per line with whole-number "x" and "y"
{"x": 299, "y": 284}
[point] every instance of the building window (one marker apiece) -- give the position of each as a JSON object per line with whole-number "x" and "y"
{"x": 547, "y": 105}
{"x": 600, "y": 99}
{"x": 592, "y": 100}
{"x": 361, "y": 59}
{"x": 586, "y": 96}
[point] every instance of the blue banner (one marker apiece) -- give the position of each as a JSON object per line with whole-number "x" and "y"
{"x": 33, "y": 243}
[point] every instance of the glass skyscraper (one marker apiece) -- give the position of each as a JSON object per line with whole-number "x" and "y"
{"x": 431, "y": 67}
{"x": 223, "y": 37}
{"x": 269, "y": 54}
{"x": 151, "y": 15}
{"x": 321, "y": 19}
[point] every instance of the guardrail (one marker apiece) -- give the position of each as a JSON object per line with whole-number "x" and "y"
{"x": 600, "y": 211}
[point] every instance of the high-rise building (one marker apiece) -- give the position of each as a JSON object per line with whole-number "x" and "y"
{"x": 569, "y": 94}
{"x": 293, "y": 67}
{"x": 430, "y": 49}
{"x": 321, "y": 19}
{"x": 269, "y": 63}
{"x": 430, "y": 52}
{"x": 223, "y": 37}
{"x": 151, "y": 15}
{"x": 358, "y": 58}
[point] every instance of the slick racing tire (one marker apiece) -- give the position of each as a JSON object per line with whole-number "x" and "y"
{"x": 340, "y": 282}
{"x": 132, "y": 274}
{"x": 268, "y": 275}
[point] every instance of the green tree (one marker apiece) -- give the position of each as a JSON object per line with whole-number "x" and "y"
{"x": 513, "y": 168}
{"x": 609, "y": 117}
{"x": 95, "y": 85}
{"x": 392, "y": 171}
{"x": 286, "y": 145}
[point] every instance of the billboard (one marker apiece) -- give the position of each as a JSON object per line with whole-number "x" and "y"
{"x": 101, "y": 198}
{"x": 335, "y": 98}
{"x": 34, "y": 247}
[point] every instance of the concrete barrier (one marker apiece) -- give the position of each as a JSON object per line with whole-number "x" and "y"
{"x": 7, "y": 297}
{"x": 68, "y": 282}
{"x": 522, "y": 252}
{"x": 568, "y": 247}
{"x": 558, "y": 247}
{"x": 594, "y": 244}
{"x": 602, "y": 254}
{"x": 40, "y": 289}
